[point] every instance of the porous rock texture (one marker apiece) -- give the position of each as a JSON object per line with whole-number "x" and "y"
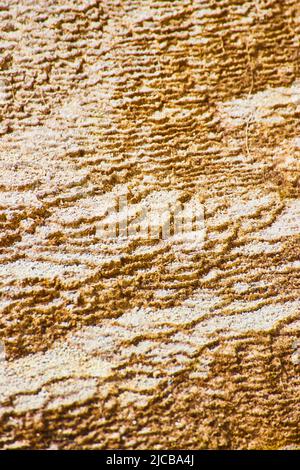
{"x": 142, "y": 343}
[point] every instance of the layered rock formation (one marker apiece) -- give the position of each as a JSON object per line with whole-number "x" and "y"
{"x": 144, "y": 343}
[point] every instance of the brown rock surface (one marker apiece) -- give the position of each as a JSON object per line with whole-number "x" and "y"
{"x": 143, "y": 344}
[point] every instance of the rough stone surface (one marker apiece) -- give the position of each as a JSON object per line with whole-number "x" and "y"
{"x": 138, "y": 344}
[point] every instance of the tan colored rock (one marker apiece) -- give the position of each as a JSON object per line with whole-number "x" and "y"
{"x": 137, "y": 343}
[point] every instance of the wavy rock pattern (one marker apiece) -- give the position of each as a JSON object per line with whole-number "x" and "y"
{"x": 136, "y": 343}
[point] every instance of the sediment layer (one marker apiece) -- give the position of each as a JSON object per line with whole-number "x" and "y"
{"x": 134, "y": 343}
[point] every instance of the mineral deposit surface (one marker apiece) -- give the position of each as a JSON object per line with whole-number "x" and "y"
{"x": 138, "y": 343}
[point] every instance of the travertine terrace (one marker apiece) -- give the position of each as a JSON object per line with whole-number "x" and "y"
{"x": 148, "y": 344}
